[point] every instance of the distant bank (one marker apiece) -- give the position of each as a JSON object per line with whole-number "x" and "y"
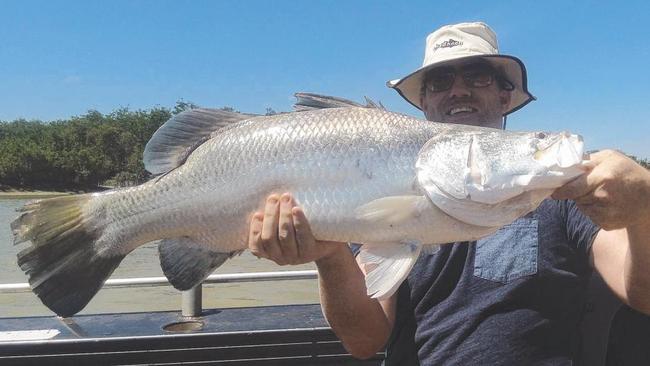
{"x": 17, "y": 194}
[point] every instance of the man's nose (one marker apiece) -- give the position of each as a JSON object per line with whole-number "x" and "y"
{"x": 459, "y": 88}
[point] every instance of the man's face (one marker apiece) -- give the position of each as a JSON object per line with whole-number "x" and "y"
{"x": 465, "y": 93}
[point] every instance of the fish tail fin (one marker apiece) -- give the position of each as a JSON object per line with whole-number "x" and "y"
{"x": 65, "y": 266}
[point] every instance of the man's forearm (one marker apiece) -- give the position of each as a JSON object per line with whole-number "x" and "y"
{"x": 637, "y": 267}
{"x": 358, "y": 320}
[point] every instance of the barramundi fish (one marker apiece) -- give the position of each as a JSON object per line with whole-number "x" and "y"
{"x": 362, "y": 174}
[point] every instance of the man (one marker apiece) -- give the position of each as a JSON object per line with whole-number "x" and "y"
{"x": 513, "y": 298}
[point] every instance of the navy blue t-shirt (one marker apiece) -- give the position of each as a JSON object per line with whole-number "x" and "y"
{"x": 513, "y": 298}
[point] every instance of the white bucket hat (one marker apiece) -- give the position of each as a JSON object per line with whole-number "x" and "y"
{"x": 462, "y": 41}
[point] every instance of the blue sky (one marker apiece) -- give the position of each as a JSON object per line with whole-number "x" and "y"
{"x": 588, "y": 62}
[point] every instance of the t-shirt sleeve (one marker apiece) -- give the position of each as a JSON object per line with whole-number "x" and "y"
{"x": 581, "y": 231}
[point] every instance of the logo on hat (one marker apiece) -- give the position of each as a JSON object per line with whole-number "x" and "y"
{"x": 447, "y": 44}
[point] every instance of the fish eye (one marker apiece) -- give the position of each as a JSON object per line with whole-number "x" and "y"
{"x": 540, "y": 135}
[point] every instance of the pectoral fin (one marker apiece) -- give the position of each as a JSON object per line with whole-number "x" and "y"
{"x": 393, "y": 209}
{"x": 387, "y": 266}
{"x": 186, "y": 264}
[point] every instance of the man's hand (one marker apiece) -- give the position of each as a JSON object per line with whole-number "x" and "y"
{"x": 282, "y": 234}
{"x": 614, "y": 193}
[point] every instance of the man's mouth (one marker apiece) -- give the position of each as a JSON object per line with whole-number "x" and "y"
{"x": 460, "y": 109}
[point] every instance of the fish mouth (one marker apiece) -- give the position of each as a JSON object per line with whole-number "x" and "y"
{"x": 562, "y": 150}
{"x": 547, "y": 141}
{"x": 460, "y": 110}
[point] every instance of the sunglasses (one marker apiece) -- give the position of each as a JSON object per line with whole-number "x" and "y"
{"x": 474, "y": 76}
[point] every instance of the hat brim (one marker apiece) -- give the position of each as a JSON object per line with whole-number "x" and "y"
{"x": 513, "y": 68}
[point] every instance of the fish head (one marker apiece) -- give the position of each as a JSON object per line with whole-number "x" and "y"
{"x": 490, "y": 166}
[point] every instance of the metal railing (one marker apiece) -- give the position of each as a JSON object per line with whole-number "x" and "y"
{"x": 192, "y": 304}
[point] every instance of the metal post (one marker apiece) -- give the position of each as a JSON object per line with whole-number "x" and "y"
{"x": 192, "y": 305}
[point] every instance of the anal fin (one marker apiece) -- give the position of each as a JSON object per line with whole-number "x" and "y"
{"x": 389, "y": 265}
{"x": 186, "y": 264}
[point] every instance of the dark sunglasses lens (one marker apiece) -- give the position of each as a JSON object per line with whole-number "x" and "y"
{"x": 440, "y": 81}
{"x": 478, "y": 78}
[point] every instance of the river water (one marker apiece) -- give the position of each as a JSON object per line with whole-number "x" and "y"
{"x": 143, "y": 262}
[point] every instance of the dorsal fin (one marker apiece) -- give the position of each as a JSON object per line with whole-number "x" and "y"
{"x": 371, "y": 104}
{"x": 310, "y": 101}
{"x": 172, "y": 143}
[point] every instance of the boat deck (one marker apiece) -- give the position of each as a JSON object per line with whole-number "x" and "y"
{"x": 272, "y": 335}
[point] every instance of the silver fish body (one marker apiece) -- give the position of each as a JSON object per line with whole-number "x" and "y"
{"x": 333, "y": 161}
{"x": 360, "y": 174}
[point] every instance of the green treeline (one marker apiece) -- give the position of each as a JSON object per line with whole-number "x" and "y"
{"x": 80, "y": 153}
{"x": 86, "y": 152}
